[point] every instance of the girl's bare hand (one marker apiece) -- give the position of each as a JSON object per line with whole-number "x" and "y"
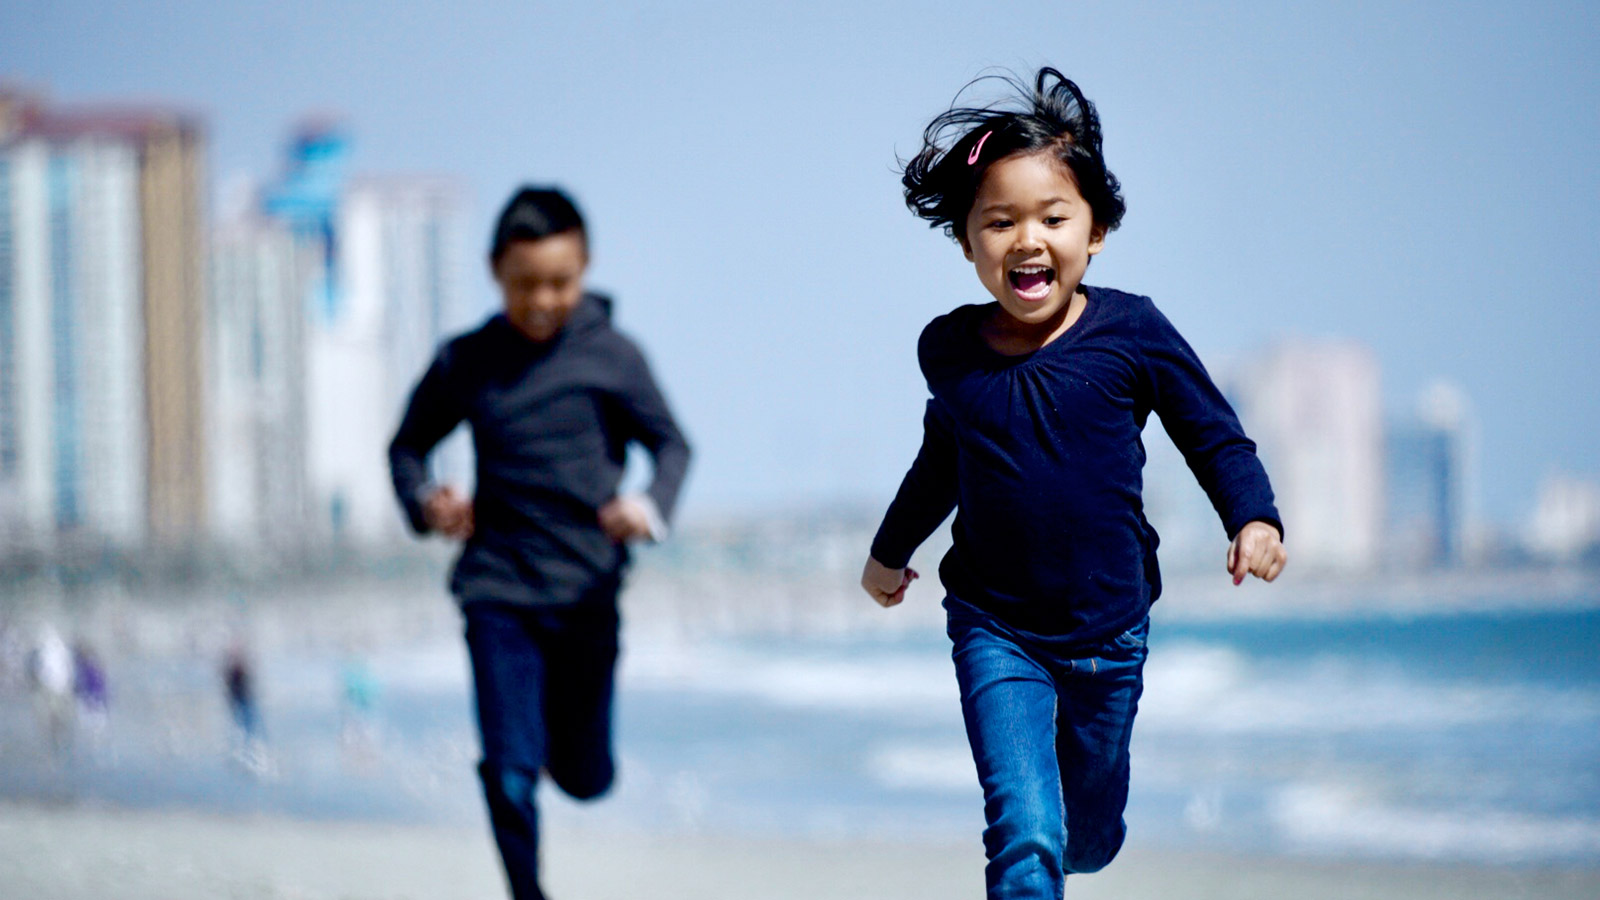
{"x": 1256, "y": 550}
{"x": 885, "y": 585}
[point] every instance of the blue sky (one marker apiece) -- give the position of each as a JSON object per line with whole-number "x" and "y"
{"x": 1420, "y": 177}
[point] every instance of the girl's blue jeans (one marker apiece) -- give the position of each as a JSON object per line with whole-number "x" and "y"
{"x": 543, "y": 678}
{"x": 1049, "y": 735}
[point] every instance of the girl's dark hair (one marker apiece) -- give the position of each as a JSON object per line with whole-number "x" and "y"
{"x": 941, "y": 181}
{"x": 533, "y": 213}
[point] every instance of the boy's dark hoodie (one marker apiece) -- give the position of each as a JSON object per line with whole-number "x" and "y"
{"x": 550, "y": 426}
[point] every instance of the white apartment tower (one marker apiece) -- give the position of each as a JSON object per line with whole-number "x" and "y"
{"x": 259, "y": 498}
{"x": 78, "y": 215}
{"x": 399, "y": 293}
{"x": 1315, "y": 412}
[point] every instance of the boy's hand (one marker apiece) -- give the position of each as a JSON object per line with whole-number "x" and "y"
{"x": 448, "y": 513}
{"x": 625, "y": 519}
{"x": 886, "y": 585}
{"x": 1256, "y": 550}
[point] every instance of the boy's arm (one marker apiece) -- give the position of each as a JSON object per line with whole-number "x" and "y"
{"x": 431, "y": 415}
{"x": 927, "y": 495}
{"x": 654, "y": 427}
{"x": 1206, "y": 431}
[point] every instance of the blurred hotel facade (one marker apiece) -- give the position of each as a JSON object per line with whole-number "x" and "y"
{"x": 1360, "y": 489}
{"x": 173, "y": 385}
{"x": 102, "y": 312}
{"x": 1315, "y": 410}
{"x": 169, "y": 389}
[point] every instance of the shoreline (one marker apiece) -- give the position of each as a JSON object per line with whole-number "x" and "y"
{"x": 1198, "y": 597}
{"x": 668, "y": 603}
{"x": 76, "y": 853}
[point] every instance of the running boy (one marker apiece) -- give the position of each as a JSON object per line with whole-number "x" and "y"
{"x": 1033, "y": 436}
{"x": 554, "y": 395}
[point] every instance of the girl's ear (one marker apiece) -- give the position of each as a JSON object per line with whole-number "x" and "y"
{"x": 1097, "y": 238}
{"x": 966, "y": 246}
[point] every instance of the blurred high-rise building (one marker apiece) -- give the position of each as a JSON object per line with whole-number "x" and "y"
{"x": 260, "y": 496}
{"x": 1315, "y": 411}
{"x": 383, "y": 286}
{"x": 404, "y": 253}
{"x": 1566, "y": 520}
{"x": 1429, "y": 481}
{"x": 407, "y": 255}
{"x": 102, "y": 326}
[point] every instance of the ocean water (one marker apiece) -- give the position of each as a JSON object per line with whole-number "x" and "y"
{"x": 1465, "y": 736}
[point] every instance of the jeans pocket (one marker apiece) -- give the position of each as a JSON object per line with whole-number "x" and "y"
{"x": 1133, "y": 639}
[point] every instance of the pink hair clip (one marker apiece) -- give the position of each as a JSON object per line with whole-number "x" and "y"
{"x": 972, "y": 158}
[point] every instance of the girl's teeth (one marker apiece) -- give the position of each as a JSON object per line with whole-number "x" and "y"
{"x": 1032, "y": 282}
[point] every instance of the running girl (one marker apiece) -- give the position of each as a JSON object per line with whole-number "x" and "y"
{"x": 1033, "y": 436}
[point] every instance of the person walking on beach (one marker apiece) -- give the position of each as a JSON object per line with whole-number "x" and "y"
{"x": 91, "y": 690}
{"x": 50, "y": 671}
{"x": 249, "y": 744}
{"x": 238, "y": 684}
{"x": 1033, "y": 436}
{"x": 554, "y": 395}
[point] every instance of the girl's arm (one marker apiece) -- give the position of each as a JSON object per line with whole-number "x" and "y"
{"x": 885, "y": 585}
{"x": 1206, "y": 431}
{"x": 924, "y": 501}
{"x": 1257, "y": 550}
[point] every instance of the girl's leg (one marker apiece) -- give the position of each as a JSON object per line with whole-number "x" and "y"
{"x": 1098, "y": 699}
{"x": 1009, "y": 703}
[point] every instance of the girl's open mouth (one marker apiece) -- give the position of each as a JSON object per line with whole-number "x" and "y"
{"x": 1032, "y": 282}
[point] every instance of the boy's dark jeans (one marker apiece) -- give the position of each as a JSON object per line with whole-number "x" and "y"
{"x": 543, "y": 678}
{"x": 1050, "y": 736}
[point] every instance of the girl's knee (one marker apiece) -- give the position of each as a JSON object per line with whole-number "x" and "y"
{"x": 1023, "y": 862}
{"x": 1025, "y": 832}
{"x": 1086, "y": 854}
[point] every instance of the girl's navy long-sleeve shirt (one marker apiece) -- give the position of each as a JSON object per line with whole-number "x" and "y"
{"x": 1041, "y": 457}
{"x": 551, "y": 422}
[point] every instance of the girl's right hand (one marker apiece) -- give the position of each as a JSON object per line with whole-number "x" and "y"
{"x": 448, "y": 513}
{"x": 885, "y": 585}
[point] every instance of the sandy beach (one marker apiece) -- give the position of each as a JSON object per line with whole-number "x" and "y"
{"x": 1273, "y": 755}
{"x": 77, "y": 853}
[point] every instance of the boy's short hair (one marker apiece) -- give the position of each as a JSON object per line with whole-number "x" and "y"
{"x": 533, "y": 213}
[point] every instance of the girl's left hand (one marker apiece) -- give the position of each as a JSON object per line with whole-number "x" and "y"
{"x": 1256, "y": 550}
{"x": 885, "y": 585}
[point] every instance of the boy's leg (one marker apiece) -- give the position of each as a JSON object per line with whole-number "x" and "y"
{"x": 507, "y": 671}
{"x": 1009, "y": 703}
{"x": 582, "y": 653}
{"x": 1099, "y": 697}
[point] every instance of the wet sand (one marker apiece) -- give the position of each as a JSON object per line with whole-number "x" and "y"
{"x": 53, "y": 853}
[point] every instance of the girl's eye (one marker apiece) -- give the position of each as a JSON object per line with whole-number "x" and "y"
{"x": 1055, "y": 220}
{"x": 1000, "y": 223}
